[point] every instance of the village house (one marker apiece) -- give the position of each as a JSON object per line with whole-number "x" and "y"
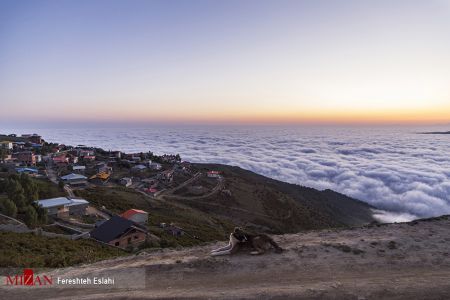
{"x": 119, "y": 232}
{"x": 74, "y": 179}
{"x": 36, "y": 146}
{"x": 154, "y": 165}
{"x": 213, "y": 174}
{"x": 136, "y": 215}
{"x": 126, "y": 181}
{"x": 85, "y": 152}
{"x": 151, "y": 190}
{"x": 8, "y": 159}
{"x": 78, "y": 169}
{"x": 73, "y": 159}
{"x": 38, "y": 158}
{"x": 138, "y": 168}
{"x": 25, "y": 157}
{"x": 169, "y": 158}
{"x": 115, "y": 154}
{"x": 6, "y": 145}
{"x": 103, "y": 167}
{"x": 136, "y": 159}
{"x": 165, "y": 176}
{"x": 100, "y": 178}
{"x": 63, "y": 206}
{"x": 60, "y": 159}
{"x": 18, "y": 145}
{"x": 89, "y": 157}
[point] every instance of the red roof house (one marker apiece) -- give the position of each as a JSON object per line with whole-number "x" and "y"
{"x": 136, "y": 215}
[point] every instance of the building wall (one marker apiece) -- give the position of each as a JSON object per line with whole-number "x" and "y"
{"x": 25, "y": 158}
{"x": 76, "y": 182}
{"x": 78, "y": 209}
{"x": 6, "y": 145}
{"x": 132, "y": 238}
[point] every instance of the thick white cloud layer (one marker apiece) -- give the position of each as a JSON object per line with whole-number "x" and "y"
{"x": 395, "y": 169}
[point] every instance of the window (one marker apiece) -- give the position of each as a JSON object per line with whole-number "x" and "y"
{"x": 117, "y": 244}
{"x": 129, "y": 240}
{"x": 136, "y": 237}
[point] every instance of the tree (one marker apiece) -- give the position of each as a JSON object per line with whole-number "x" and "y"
{"x": 8, "y": 207}
{"x": 30, "y": 216}
{"x": 16, "y": 193}
{"x": 31, "y": 190}
{"x": 41, "y": 214}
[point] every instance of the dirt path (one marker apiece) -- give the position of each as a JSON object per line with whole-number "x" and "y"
{"x": 396, "y": 261}
{"x": 170, "y": 191}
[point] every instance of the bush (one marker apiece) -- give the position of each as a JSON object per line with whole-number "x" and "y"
{"x": 30, "y": 216}
{"x": 8, "y": 207}
{"x": 28, "y": 250}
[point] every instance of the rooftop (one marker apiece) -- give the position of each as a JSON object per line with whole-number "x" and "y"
{"x": 31, "y": 170}
{"x": 112, "y": 229}
{"x": 131, "y": 212}
{"x": 60, "y": 201}
{"x": 73, "y": 176}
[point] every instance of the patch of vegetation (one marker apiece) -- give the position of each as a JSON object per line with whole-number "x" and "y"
{"x": 47, "y": 189}
{"x": 21, "y": 192}
{"x": 117, "y": 199}
{"x": 279, "y": 207}
{"x": 56, "y": 229}
{"x": 29, "y": 250}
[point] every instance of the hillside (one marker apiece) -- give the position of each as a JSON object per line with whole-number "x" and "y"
{"x": 279, "y": 207}
{"x": 392, "y": 261}
{"x": 242, "y": 198}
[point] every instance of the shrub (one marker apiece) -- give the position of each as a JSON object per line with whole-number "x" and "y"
{"x": 8, "y": 207}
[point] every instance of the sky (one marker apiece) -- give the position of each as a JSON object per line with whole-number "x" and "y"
{"x": 225, "y": 61}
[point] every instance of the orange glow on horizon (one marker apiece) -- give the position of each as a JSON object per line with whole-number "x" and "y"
{"x": 413, "y": 116}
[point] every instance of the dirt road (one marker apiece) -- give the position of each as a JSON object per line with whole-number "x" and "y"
{"x": 396, "y": 261}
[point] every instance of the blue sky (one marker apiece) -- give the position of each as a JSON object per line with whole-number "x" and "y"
{"x": 227, "y": 61}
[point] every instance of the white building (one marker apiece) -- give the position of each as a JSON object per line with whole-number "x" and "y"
{"x": 74, "y": 179}
{"x": 6, "y": 145}
{"x": 64, "y": 205}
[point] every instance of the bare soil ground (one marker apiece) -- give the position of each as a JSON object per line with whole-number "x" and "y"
{"x": 394, "y": 261}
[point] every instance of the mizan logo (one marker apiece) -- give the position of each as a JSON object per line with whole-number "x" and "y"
{"x": 28, "y": 278}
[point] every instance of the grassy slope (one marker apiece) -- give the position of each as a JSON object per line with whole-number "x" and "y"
{"x": 287, "y": 207}
{"x": 194, "y": 222}
{"x": 256, "y": 202}
{"x": 28, "y": 250}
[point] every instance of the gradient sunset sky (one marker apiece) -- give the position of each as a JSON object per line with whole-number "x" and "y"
{"x": 225, "y": 61}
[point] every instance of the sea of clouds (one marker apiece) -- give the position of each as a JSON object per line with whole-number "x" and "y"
{"x": 404, "y": 174}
